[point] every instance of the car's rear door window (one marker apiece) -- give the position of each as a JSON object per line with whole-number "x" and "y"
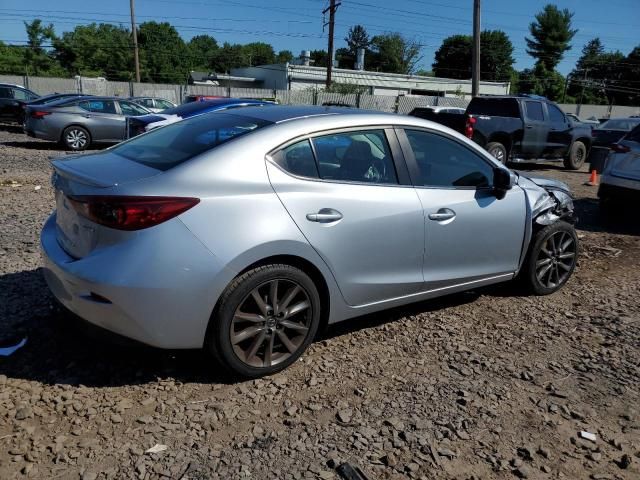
{"x": 358, "y": 156}
{"x": 166, "y": 147}
{"x": 534, "y": 111}
{"x": 98, "y": 106}
{"x": 298, "y": 159}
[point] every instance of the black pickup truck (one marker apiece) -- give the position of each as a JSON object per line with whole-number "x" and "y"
{"x": 519, "y": 128}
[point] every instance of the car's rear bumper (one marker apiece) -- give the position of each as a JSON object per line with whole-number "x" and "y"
{"x": 158, "y": 289}
{"x": 617, "y": 184}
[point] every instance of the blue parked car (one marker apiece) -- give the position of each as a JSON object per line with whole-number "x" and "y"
{"x": 144, "y": 123}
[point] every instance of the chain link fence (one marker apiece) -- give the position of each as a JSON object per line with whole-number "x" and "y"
{"x": 176, "y": 94}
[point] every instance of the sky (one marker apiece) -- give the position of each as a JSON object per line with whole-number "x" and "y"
{"x": 298, "y": 24}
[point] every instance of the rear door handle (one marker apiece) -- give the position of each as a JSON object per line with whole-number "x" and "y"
{"x": 529, "y": 127}
{"x": 442, "y": 214}
{"x": 86, "y": 115}
{"x": 325, "y": 215}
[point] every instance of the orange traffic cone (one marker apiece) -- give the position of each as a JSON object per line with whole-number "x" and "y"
{"x": 593, "y": 179}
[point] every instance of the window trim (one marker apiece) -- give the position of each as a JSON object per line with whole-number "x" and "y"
{"x": 397, "y": 158}
{"x": 412, "y": 163}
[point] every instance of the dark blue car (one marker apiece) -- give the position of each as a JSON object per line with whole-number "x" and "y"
{"x": 144, "y": 123}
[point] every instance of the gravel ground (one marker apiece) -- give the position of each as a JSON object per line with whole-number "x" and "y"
{"x": 486, "y": 384}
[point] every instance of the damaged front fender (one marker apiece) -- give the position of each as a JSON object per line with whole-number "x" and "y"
{"x": 549, "y": 200}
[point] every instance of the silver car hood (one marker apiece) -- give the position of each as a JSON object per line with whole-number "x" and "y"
{"x": 549, "y": 200}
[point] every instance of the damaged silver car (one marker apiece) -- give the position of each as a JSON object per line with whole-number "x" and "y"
{"x": 244, "y": 232}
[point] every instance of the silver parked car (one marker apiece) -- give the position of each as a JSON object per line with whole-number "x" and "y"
{"x": 153, "y": 104}
{"x": 80, "y": 122}
{"x": 621, "y": 175}
{"x": 243, "y": 232}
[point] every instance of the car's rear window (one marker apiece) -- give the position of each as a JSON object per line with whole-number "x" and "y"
{"x": 494, "y": 107}
{"x": 164, "y": 148}
{"x": 619, "y": 124}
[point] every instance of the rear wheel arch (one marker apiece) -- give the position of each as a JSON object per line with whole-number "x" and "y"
{"x": 302, "y": 264}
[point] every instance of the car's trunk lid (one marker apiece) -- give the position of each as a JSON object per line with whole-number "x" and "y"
{"x": 86, "y": 175}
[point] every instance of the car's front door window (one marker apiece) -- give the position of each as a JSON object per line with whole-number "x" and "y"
{"x": 443, "y": 162}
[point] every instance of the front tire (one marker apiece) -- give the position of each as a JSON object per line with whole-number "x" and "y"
{"x": 76, "y": 138}
{"x": 552, "y": 258}
{"x": 577, "y": 156}
{"x": 264, "y": 321}
{"x": 498, "y": 151}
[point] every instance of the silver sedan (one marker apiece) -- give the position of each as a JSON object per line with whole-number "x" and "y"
{"x": 245, "y": 232}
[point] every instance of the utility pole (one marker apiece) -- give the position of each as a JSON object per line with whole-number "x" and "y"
{"x": 135, "y": 41}
{"x": 475, "y": 67}
{"x": 333, "y": 6}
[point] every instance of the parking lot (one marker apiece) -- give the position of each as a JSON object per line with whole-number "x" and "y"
{"x": 485, "y": 384}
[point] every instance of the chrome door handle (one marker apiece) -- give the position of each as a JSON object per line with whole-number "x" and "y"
{"x": 86, "y": 115}
{"x": 529, "y": 127}
{"x": 324, "y": 215}
{"x": 442, "y": 214}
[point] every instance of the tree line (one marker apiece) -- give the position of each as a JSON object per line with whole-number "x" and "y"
{"x": 102, "y": 49}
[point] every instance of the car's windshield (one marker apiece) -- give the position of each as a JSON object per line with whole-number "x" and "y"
{"x": 166, "y": 147}
{"x": 620, "y": 124}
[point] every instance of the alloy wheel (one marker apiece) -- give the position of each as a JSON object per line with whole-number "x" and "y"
{"x": 271, "y": 323}
{"x": 76, "y": 139}
{"x": 498, "y": 154}
{"x": 556, "y": 259}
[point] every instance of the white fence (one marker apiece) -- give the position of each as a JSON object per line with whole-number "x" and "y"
{"x": 176, "y": 93}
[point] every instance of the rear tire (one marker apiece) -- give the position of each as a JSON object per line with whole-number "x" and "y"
{"x": 577, "y": 156}
{"x": 76, "y": 138}
{"x": 551, "y": 259}
{"x": 252, "y": 335}
{"x": 498, "y": 151}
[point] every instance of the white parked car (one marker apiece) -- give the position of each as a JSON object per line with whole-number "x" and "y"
{"x": 621, "y": 175}
{"x": 153, "y": 104}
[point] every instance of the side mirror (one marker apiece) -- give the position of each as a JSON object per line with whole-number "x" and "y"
{"x": 503, "y": 181}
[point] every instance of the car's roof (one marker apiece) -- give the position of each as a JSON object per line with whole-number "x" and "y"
{"x": 283, "y": 113}
{"x": 12, "y": 85}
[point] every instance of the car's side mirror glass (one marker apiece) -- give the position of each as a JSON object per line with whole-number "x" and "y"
{"x": 502, "y": 182}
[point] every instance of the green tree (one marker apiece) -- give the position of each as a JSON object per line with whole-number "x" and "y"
{"x": 394, "y": 53}
{"x": 11, "y": 59}
{"x": 96, "y": 50}
{"x": 35, "y": 56}
{"x": 631, "y": 76}
{"x": 257, "y": 53}
{"x": 284, "y": 56}
{"x": 453, "y": 58}
{"x": 230, "y": 56}
{"x": 357, "y": 38}
{"x": 163, "y": 53}
{"x": 551, "y": 36}
{"x": 540, "y": 81}
{"x": 319, "y": 58}
{"x": 202, "y": 52}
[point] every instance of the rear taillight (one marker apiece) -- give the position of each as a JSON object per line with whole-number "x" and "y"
{"x": 39, "y": 114}
{"x": 131, "y": 213}
{"x": 618, "y": 148}
{"x": 468, "y": 127}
